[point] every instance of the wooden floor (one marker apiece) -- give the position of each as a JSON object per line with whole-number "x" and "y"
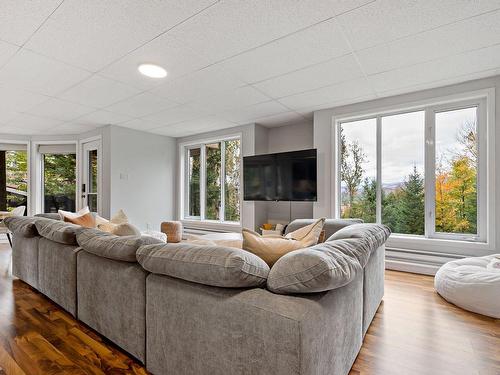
{"x": 414, "y": 332}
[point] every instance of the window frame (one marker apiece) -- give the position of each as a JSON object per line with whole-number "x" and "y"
{"x": 201, "y": 221}
{"x": 463, "y": 244}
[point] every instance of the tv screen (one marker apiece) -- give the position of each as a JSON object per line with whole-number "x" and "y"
{"x": 287, "y": 176}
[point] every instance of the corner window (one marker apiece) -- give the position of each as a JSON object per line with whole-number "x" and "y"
{"x": 212, "y": 181}
{"x": 419, "y": 172}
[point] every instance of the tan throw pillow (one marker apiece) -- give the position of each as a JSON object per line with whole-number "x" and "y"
{"x": 87, "y": 220}
{"x": 270, "y": 249}
{"x": 308, "y": 235}
{"x": 72, "y": 215}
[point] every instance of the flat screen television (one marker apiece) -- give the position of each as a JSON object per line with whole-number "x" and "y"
{"x": 286, "y": 176}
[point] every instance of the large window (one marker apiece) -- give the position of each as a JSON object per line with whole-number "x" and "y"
{"x": 13, "y": 176}
{"x": 212, "y": 181}
{"x": 416, "y": 171}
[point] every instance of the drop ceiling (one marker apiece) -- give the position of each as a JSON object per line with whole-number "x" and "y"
{"x": 71, "y": 66}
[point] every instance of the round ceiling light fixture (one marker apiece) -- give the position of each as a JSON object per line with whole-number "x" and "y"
{"x": 152, "y": 71}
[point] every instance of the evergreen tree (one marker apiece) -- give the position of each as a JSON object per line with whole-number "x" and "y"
{"x": 411, "y": 205}
{"x": 365, "y": 206}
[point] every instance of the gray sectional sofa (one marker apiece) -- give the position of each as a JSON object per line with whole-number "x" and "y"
{"x": 191, "y": 309}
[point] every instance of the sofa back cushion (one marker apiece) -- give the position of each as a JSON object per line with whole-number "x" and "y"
{"x": 330, "y": 226}
{"x": 110, "y": 246}
{"x": 210, "y": 265}
{"x": 318, "y": 268}
{"x": 57, "y": 230}
{"x": 22, "y": 226}
{"x": 50, "y": 215}
{"x": 374, "y": 234}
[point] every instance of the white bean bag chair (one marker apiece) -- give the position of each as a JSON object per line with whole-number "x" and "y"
{"x": 472, "y": 284}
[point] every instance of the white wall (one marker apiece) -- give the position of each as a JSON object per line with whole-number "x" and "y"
{"x": 282, "y": 139}
{"x": 141, "y": 176}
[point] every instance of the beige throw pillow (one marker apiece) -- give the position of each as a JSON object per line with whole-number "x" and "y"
{"x": 308, "y": 235}
{"x": 270, "y": 249}
{"x": 125, "y": 229}
{"x": 118, "y": 225}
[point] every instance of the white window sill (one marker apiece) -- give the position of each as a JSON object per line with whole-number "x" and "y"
{"x": 440, "y": 245}
{"x": 212, "y": 225}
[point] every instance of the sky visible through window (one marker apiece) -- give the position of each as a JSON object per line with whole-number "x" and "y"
{"x": 403, "y": 141}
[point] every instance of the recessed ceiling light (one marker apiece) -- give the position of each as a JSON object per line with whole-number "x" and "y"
{"x": 152, "y": 71}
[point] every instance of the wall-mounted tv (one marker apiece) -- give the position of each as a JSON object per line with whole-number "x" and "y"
{"x": 286, "y": 176}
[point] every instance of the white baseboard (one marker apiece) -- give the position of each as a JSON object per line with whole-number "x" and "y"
{"x": 411, "y": 267}
{"x": 422, "y": 262}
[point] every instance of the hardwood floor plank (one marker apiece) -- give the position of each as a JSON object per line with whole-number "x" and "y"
{"x": 414, "y": 332}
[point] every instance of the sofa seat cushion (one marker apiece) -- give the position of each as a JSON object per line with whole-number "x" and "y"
{"x": 57, "y": 230}
{"x": 210, "y": 265}
{"x": 110, "y": 246}
{"x": 22, "y": 226}
{"x": 315, "y": 269}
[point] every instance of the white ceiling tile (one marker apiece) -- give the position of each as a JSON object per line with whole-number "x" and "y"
{"x": 26, "y": 121}
{"x": 71, "y": 128}
{"x": 339, "y": 92}
{"x": 248, "y": 114}
{"x": 344, "y": 6}
{"x": 17, "y": 100}
{"x": 139, "y": 124}
{"x": 240, "y": 97}
{"x": 318, "y": 43}
{"x": 19, "y": 19}
{"x": 433, "y": 44}
{"x": 7, "y": 129}
{"x": 385, "y": 20}
{"x": 280, "y": 119}
{"x": 199, "y": 125}
{"x": 205, "y": 124}
{"x": 175, "y": 115}
{"x": 173, "y": 132}
{"x": 203, "y": 83}
{"x": 99, "y": 92}
{"x": 94, "y": 33}
{"x": 7, "y": 50}
{"x": 59, "y": 110}
{"x": 101, "y": 117}
{"x": 165, "y": 51}
{"x": 232, "y": 27}
{"x": 344, "y": 68}
{"x": 436, "y": 70}
{"x": 40, "y": 74}
{"x": 141, "y": 105}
